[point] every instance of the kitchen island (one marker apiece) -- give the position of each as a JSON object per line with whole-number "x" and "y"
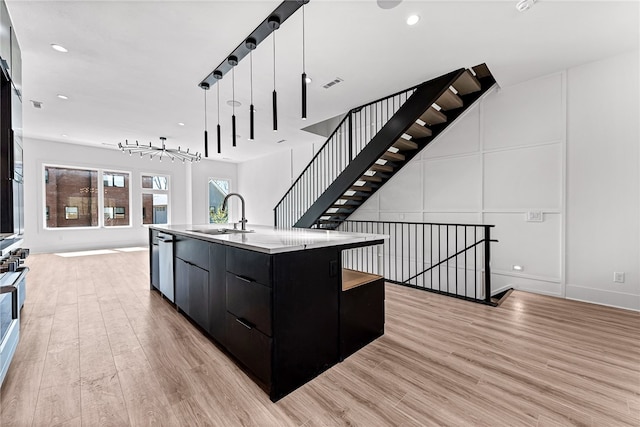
{"x": 278, "y": 300}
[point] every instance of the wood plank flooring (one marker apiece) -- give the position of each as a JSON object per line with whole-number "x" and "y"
{"x": 98, "y": 348}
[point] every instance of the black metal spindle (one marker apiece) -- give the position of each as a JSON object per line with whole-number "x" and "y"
{"x": 465, "y": 261}
{"x": 487, "y": 267}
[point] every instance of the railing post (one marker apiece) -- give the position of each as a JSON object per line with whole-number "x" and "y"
{"x": 275, "y": 216}
{"x": 487, "y": 262}
{"x": 350, "y": 137}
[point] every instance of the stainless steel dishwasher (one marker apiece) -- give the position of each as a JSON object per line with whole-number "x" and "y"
{"x": 165, "y": 243}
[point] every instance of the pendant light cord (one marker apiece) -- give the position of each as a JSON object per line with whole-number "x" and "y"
{"x": 233, "y": 89}
{"x": 304, "y": 67}
{"x": 251, "y": 76}
{"x": 274, "y": 60}
{"x": 218, "y": 86}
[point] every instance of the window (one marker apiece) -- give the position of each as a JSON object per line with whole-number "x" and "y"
{"x": 155, "y": 199}
{"x": 71, "y": 212}
{"x": 116, "y": 198}
{"x": 218, "y": 189}
{"x": 74, "y": 197}
{"x": 71, "y": 197}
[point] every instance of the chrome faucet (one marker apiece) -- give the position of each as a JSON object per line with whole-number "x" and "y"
{"x": 243, "y": 221}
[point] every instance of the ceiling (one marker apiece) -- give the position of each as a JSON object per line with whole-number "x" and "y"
{"x": 133, "y": 67}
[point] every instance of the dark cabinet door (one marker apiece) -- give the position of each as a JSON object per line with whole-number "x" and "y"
{"x": 182, "y": 284}
{"x": 199, "y": 296}
{"x": 192, "y": 292}
{"x": 217, "y": 292}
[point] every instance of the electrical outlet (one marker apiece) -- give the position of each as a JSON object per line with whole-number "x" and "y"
{"x": 618, "y": 276}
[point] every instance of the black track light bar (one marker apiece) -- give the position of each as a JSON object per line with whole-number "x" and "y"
{"x": 266, "y": 27}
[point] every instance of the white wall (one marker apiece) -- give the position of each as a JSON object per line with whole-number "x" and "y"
{"x": 565, "y": 145}
{"x": 603, "y": 214}
{"x": 263, "y": 182}
{"x": 185, "y": 180}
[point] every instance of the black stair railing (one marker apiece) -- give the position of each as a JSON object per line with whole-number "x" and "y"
{"x": 350, "y": 137}
{"x": 449, "y": 259}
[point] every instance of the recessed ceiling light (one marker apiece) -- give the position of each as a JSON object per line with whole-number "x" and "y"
{"x": 59, "y": 48}
{"x": 413, "y": 20}
{"x": 62, "y": 96}
{"x": 232, "y": 103}
{"x": 307, "y": 80}
{"x": 524, "y": 5}
{"x": 64, "y": 135}
{"x": 180, "y": 124}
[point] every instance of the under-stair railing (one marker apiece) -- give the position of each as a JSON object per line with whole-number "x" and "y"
{"x": 449, "y": 259}
{"x": 350, "y": 137}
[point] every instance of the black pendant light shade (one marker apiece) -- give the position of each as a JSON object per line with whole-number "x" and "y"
{"x": 233, "y": 61}
{"x": 274, "y": 23}
{"x": 205, "y": 87}
{"x": 251, "y": 45}
{"x": 218, "y": 76}
{"x": 304, "y": 96}
{"x": 304, "y": 72}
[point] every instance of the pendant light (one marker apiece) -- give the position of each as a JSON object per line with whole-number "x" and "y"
{"x": 274, "y": 23}
{"x": 205, "y": 87}
{"x": 304, "y": 73}
{"x": 233, "y": 61}
{"x": 251, "y": 45}
{"x": 218, "y": 76}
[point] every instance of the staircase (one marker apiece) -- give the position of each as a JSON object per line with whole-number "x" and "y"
{"x": 372, "y": 143}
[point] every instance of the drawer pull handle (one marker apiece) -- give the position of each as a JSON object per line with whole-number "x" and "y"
{"x": 244, "y": 323}
{"x": 244, "y": 279}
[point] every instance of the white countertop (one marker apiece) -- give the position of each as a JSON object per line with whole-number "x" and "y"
{"x": 273, "y": 240}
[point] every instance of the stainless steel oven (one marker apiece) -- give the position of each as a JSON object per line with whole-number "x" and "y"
{"x": 9, "y": 327}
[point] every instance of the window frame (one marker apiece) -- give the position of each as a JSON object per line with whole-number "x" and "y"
{"x": 229, "y": 208}
{"x": 45, "y": 178}
{"x": 153, "y": 191}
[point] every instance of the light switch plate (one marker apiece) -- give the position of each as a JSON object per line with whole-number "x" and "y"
{"x": 618, "y": 276}
{"x": 535, "y": 216}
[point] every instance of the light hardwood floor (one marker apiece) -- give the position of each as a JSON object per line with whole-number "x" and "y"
{"x": 99, "y": 348}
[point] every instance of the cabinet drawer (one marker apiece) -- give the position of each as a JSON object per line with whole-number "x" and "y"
{"x": 250, "y": 265}
{"x": 250, "y": 346}
{"x": 192, "y": 250}
{"x": 250, "y": 301}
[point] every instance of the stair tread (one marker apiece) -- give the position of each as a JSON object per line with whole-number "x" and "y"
{"x": 418, "y": 131}
{"x": 482, "y": 71}
{"x": 364, "y": 188}
{"x": 433, "y": 116}
{"x": 467, "y": 83}
{"x": 381, "y": 168}
{"x": 404, "y": 144}
{"x": 369, "y": 178}
{"x": 389, "y": 155}
{"x": 351, "y": 197}
{"x": 449, "y": 101}
{"x": 350, "y": 207}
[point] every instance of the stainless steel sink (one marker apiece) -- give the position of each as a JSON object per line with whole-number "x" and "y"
{"x": 217, "y": 231}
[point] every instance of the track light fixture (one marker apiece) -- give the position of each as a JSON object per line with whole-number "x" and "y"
{"x": 251, "y": 45}
{"x": 266, "y": 28}
{"x": 218, "y": 76}
{"x": 205, "y": 87}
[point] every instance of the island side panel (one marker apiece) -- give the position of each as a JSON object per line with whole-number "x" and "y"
{"x": 306, "y": 317}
